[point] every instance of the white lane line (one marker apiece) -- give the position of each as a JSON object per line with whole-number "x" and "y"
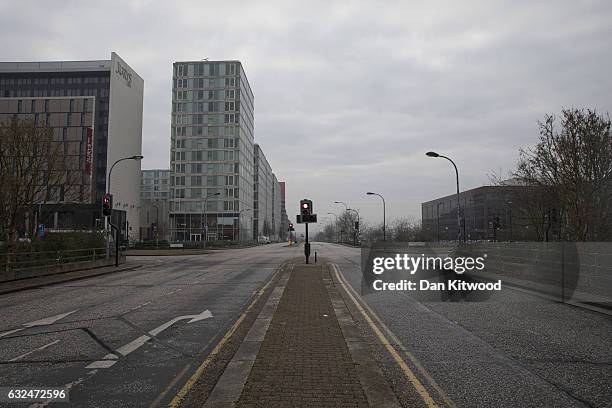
{"x": 110, "y": 359}
{"x": 68, "y": 387}
{"x": 34, "y": 351}
{"x": 42, "y": 322}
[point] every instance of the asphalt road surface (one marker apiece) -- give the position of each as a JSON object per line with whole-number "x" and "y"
{"x": 189, "y": 300}
{"x": 95, "y": 335}
{"x": 520, "y": 350}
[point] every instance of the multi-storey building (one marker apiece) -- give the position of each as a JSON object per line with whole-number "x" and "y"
{"x": 263, "y": 180}
{"x": 154, "y": 194}
{"x": 276, "y": 209}
{"x": 211, "y": 162}
{"x": 95, "y": 108}
{"x": 284, "y": 219}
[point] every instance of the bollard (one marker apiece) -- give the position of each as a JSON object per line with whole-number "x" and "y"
{"x": 315, "y": 256}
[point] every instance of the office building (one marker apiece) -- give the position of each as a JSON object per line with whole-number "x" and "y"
{"x": 211, "y": 161}
{"x": 491, "y": 213}
{"x": 95, "y": 108}
{"x": 154, "y": 202}
{"x": 263, "y": 180}
{"x": 284, "y": 218}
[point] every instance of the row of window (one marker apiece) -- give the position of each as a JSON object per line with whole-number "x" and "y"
{"x": 184, "y": 107}
{"x": 200, "y": 119}
{"x": 205, "y": 69}
{"x": 186, "y": 131}
{"x": 209, "y": 143}
{"x": 55, "y": 81}
{"x": 207, "y": 168}
{"x": 37, "y": 93}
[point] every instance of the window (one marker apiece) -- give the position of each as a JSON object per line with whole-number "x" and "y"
{"x": 230, "y": 82}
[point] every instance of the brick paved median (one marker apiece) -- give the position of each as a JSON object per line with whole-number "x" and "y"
{"x": 304, "y": 360}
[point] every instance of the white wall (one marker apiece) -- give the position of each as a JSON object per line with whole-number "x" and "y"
{"x": 125, "y": 139}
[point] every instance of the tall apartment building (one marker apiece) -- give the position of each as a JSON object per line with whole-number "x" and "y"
{"x": 263, "y": 180}
{"x": 211, "y": 161}
{"x": 95, "y": 108}
{"x": 284, "y": 218}
{"x": 276, "y": 209}
{"x": 154, "y": 201}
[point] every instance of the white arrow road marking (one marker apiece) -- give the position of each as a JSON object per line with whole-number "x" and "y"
{"x": 42, "y": 322}
{"x": 110, "y": 359}
{"x": 34, "y": 351}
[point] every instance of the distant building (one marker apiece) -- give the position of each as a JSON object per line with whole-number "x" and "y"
{"x": 487, "y": 213}
{"x": 154, "y": 203}
{"x": 284, "y": 219}
{"x": 263, "y": 190}
{"x": 276, "y": 209}
{"x": 95, "y": 107}
{"x": 211, "y": 156}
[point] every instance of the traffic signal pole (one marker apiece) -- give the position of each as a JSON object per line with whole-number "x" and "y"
{"x": 307, "y": 245}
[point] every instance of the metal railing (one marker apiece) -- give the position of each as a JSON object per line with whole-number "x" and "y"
{"x": 30, "y": 260}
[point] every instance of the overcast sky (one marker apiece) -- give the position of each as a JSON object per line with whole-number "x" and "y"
{"x": 350, "y": 95}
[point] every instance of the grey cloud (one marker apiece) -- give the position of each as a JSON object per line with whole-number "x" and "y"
{"x": 349, "y": 95}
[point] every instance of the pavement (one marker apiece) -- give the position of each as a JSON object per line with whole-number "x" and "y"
{"x": 300, "y": 356}
{"x": 255, "y": 326}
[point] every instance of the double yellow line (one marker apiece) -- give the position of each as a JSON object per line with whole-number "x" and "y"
{"x": 408, "y": 373}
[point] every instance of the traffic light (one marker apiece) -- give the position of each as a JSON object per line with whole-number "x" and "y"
{"x": 107, "y": 205}
{"x": 356, "y": 225}
{"x": 306, "y": 207}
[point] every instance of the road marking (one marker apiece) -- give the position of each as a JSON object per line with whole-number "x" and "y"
{"x": 420, "y": 389}
{"x": 200, "y": 370}
{"x": 34, "y": 351}
{"x": 67, "y": 386}
{"x": 110, "y": 359}
{"x": 42, "y": 322}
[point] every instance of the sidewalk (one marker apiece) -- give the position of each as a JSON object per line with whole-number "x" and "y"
{"x": 31, "y": 283}
{"x": 309, "y": 356}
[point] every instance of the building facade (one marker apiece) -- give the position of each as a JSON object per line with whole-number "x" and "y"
{"x": 263, "y": 180}
{"x": 488, "y": 213}
{"x": 154, "y": 202}
{"x": 95, "y": 108}
{"x": 284, "y": 218}
{"x": 211, "y": 160}
{"x": 276, "y": 209}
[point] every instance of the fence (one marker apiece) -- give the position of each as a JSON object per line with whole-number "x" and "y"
{"x": 23, "y": 265}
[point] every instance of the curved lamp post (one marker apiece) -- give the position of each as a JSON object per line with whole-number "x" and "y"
{"x": 434, "y": 154}
{"x": 336, "y": 225}
{"x": 108, "y": 190}
{"x": 239, "y": 225}
{"x": 384, "y": 213}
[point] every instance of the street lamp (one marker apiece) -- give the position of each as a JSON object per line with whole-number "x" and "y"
{"x": 345, "y": 209}
{"x": 335, "y": 225}
{"x": 384, "y": 214}
{"x": 239, "y": 226}
{"x": 108, "y": 182}
{"x": 206, "y": 216}
{"x": 108, "y": 190}
{"x": 434, "y": 154}
{"x": 156, "y": 224}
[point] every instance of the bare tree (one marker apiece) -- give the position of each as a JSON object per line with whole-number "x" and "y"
{"x": 406, "y": 230}
{"x": 575, "y": 167}
{"x": 34, "y": 169}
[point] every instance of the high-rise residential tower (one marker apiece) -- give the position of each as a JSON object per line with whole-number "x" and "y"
{"x": 211, "y": 158}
